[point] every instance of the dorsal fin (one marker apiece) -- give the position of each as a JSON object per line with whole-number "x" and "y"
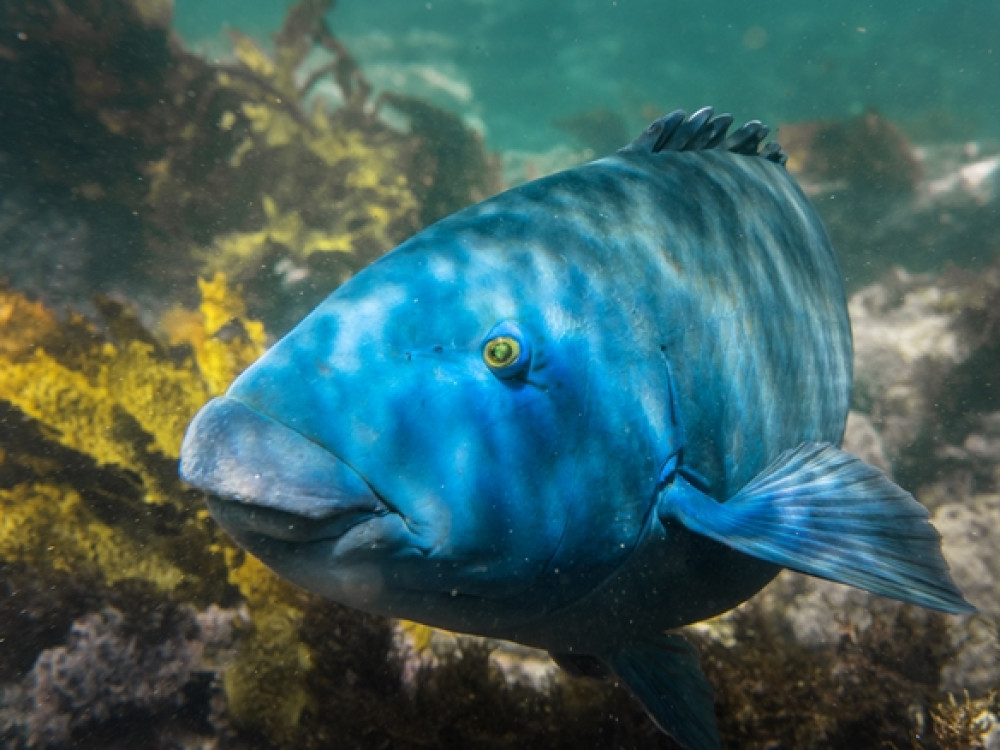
{"x": 702, "y": 130}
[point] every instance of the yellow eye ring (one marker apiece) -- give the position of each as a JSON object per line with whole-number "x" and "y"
{"x": 501, "y": 351}
{"x": 506, "y": 351}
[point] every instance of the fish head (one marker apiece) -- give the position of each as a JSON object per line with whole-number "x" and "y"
{"x": 446, "y": 434}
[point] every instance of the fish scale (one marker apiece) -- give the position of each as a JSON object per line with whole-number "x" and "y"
{"x": 589, "y": 410}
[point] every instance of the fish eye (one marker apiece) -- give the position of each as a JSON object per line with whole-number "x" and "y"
{"x": 501, "y": 351}
{"x": 506, "y": 351}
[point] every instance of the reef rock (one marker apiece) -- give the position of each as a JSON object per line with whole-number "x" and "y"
{"x": 888, "y": 201}
{"x": 926, "y": 352}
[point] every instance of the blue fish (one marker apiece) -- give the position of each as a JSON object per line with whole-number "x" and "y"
{"x": 577, "y": 415}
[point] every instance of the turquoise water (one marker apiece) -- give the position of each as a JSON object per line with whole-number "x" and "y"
{"x": 515, "y": 67}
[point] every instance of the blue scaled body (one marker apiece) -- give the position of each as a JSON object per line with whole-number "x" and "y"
{"x": 591, "y": 409}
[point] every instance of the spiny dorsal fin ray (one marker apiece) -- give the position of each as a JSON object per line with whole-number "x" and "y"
{"x": 702, "y": 131}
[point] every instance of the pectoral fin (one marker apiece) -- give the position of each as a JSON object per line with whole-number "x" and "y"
{"x": 820, "y": 510}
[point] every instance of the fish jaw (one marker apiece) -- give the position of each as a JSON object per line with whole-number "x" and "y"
{"x": 290, "y": 501}
{"x": 245, "y": 457}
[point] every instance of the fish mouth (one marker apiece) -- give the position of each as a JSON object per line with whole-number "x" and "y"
{"x": 242, "y": 520}
{"x": 268, "y": 480}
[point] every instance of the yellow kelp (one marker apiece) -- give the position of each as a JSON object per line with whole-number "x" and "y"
{"x": 312, "y": 188}
{"x": 91, "y": 421}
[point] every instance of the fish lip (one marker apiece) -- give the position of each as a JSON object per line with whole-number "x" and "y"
{"x": 277, "y": 525}
{"x": 264, "y": 477}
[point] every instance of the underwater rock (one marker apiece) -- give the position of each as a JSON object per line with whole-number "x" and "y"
{"x": 45, "y": 248}
{"x": 87, "y": 98}
{"x": 419, "y": 647}
{"x": 863, "y": 440}
{"x": 872, "y": 685}
{"x": 866, "y": 153}
{"x": 886, "y": 201}
{"x": 112, "y": 667}
{"x": 972, "y": 546}
{"x": 926, "y": 348}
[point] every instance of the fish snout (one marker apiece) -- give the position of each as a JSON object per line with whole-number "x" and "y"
{"x": 270, "y": 479}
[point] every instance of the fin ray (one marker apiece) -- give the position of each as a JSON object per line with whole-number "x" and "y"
{"x": 704, "y": 131}
{"x": 822, "y": 511}
{"x": 665, "y": 676}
